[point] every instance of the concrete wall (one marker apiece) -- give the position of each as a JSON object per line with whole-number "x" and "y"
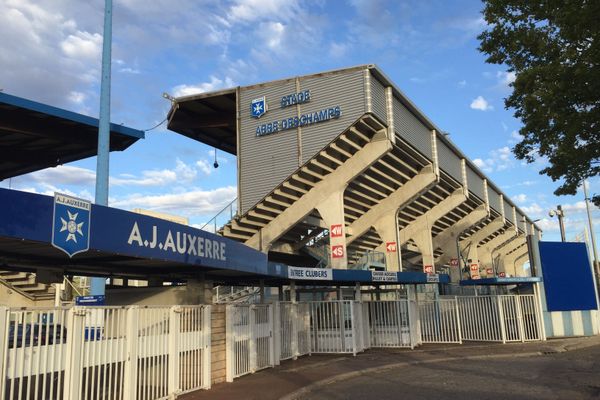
{"x": 218, "y": 363}
{"x": 12, "y": 298}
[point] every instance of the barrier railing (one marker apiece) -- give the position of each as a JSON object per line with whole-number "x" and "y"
{"x": 439, "y": 321}
{"x": 250, "y": 344}
{"x": 294, "y": 329}
{"x": 104, "y": 352}
{"x": 389, "y": 323}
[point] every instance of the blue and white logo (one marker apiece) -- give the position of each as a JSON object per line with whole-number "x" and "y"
{"x": 258, "y": 107}
{"x": 71, "y": 224}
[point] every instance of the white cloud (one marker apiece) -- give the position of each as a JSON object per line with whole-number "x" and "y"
{"x": 498, "y": 160}
{"x": 481, "y": 104}
{"x": 533, "y": 209}
{"x": 272, "y": 34}
{"x": 214, "y": 84}
{"x": 204, "y": 166}
{"x": 252, "y": 10}
{"x": 505, "y": 78}
{"x": 191, "y": 203}
{"x": 520, "y": 198}
{"x": 83, "y": 45}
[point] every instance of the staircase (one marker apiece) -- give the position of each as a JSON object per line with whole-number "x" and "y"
{"x": 370, "y": 260}
{"x": 235, "y": 294}
{"x": 25, "y": 283}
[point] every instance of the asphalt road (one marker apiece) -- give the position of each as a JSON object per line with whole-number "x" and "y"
{"x": 570, "y": 375}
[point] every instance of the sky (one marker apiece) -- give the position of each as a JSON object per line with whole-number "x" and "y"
{"x": 51, "y": 52}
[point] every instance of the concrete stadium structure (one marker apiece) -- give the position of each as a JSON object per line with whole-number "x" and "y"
{"x": 339, "y": 168}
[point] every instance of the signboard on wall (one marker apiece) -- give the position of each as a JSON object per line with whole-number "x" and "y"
{"x": 390, "y": 247}
{"x": 384, "y": 276}
{"x": 337, "y": 251}
{"x": 336, "y": 230}
{"x": 313, "y": 274}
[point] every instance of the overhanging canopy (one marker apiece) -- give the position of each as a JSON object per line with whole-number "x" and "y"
{"x": 34, "y": 136}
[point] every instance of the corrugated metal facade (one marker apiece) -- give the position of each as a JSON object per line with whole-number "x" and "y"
{"x": 494, "y": 199}
{"x": 341, "y": 89}
{"x": 411, "y": 129}
{"x": 266, "y": 161}
{"x": 449, "y": 161}
{"x": 378, "y": 99}
{"x": 508, "y": 210}
{"x": 475, "y": 183}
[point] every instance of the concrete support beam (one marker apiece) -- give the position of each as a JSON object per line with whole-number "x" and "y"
{"x": 387, "y": 229}
{"x": 332, "y": 213}
{"x": 420, "y": 229}
{"x": 389, "y": 206}
{"x": 488, "y": 250}
{"x": 516, "y": 262}
{"x": 331, "y": 185}
{"x": 446, "y": 240}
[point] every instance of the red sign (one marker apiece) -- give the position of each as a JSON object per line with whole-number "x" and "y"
{"x": 336, "y": 230}
{"x": 454, "y": 262}
{"x": 337, "y": 251}
{"x": 428, "y": 269}
{"x": 390, "y": 247}
{"x": 489, "y": 271}
{"x": 474, "y": 267}
{"x": 502, "y": 274}
{"x": 475, "y": 277}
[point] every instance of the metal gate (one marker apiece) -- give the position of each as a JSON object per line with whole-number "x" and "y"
{"x": 250, "y": 344}
{"x": 104, "y": 352}
{"x": 439, "y": 321}
{"x": 503, "y": 318}
{"x": 294, "y": 330}
{"x": 388, "y": 323}
{"x": 335, "y": 326}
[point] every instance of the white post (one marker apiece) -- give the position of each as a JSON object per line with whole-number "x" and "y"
{"x": 293, "y": 291}
{"x": 4, "y": 320}
{"x": 274, "y": 359}
{"x": 353, "y": 321}
{"x": 229, "y": 343}
{"x": 207, "y": 344}
{"x": 252, "y": 343}
{"x": 131, "y": 362}
{"x": 74, "y": 356}
{"x": 173, "y": 342}
{"x": 277, "y": 331}
{"x": 458, "y": 320}
{"x": 294, "y": 338}
{"x": 501, "y": 318}
{"x": 539, "y": 315}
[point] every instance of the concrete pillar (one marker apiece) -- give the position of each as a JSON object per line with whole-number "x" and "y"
{"x": 198, "y": 292}
{"x": 424, "y": 242}
{"x": 387, "y": 229}
{"x": 332, "y": 213}
{"x": 469, "y": 245}
{"x": 446, "y": 240}
{"x": 489, "y": 250}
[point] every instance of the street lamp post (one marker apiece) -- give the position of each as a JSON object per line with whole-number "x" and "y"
{"x": 560, "y": 214}
{"x": 592, "y": 233}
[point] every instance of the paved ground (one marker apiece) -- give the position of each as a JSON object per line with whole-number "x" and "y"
{"x": 560, "y": 369}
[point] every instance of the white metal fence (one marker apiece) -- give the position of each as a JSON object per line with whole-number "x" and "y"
{"x": 294, "y": 330}
{"x": 250, "y": 344}
{"x": 504, "y": 318}
{"x": 336, "y": 326}
{"x": 389, "y": 323}
{"x": 104, "y": 352}
{"x": 439, "y": 321}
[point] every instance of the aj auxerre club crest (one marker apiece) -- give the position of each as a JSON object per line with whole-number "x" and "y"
{"x": 71, "y": 224}
{"x": 258, "y": 107}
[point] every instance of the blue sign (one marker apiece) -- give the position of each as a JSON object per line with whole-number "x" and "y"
{"x": 71, "y": 224}
{"x": 258, "y": 107}
{"x": 90, "y": 300}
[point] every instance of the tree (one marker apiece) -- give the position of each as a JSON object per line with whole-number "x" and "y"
{"x": 553, "y": 47}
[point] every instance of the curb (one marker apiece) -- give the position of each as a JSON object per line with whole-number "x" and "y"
{"x": 350, "y": 375}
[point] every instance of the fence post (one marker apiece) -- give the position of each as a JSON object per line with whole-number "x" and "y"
{"x": 207, "y": 346}
{"x": 229, "y": 343}
{"x": 252, "y": 342}
{"x": 272, "y": 357}
{"x": 520, "y": 318}
{"x": 458, "y": 327}
{"x": 130, "y": 371}
{"x": 501, "y": 318}
{"x": 353, "y": 322}
{"x": 4, "y": 321}
{"x": 173, "y": 355}
{"x": 277, "y": 331}
{"x": 74, "y": 357}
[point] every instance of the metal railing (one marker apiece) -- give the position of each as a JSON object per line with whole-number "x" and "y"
{"x": 389, "y": 323}
{"x": 104, "y": 352}
{"x": 370, "y": 260}
{"x": 439, "y": 321}
{"x": 221, "y": 218}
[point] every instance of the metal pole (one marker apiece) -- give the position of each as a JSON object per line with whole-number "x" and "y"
{"x": 561, "y": 223}
{"x": 592, "y": 233}
{"x": 97, "y": 285}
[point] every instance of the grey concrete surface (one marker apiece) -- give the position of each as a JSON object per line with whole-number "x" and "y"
{"x": 473, "y": 370}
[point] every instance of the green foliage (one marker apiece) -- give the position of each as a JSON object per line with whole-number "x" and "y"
{"x": 553, "y": 47}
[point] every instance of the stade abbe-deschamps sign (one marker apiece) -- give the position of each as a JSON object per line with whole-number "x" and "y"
{"x": 259, "y": 107}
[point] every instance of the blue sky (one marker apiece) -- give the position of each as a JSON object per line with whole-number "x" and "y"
{"x": 51, "y": 52}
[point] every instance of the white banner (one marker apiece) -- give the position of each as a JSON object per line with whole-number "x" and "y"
{"x": 315, "y": 274}
{"x": 384, "y": 276}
